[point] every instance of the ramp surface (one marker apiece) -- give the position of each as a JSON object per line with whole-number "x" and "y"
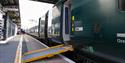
{"x": 33, "y": 44}
{"x": 44, "y": 53}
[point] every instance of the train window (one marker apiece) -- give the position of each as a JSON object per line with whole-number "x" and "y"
{"x": 56, "y": 13}
{"x": 41, "y": 28}
{"x": 54, "y": 23}
{"x": 121, "y": 5}
{"x": 66, "y": 21}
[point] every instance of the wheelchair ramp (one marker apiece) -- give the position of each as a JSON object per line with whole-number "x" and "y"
{"x": 45, "y": 53}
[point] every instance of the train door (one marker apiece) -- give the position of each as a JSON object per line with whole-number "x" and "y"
{"x": 66, "y": 21}
{"x": 59, "y": 23}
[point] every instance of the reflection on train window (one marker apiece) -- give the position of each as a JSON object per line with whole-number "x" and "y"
{"x": 55, "y": 22}
{"x": 41, "y": 28}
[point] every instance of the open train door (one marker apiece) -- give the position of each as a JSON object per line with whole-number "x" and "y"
{"x": 66, "y": 21}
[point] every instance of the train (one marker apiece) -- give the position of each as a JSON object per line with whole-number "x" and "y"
{"x": 95, "y": 28}
{"x": 7, "y": 27}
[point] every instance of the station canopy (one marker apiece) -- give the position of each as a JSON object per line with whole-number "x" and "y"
{"x": 12, "y": 8}
{"x": 47, "y": 1}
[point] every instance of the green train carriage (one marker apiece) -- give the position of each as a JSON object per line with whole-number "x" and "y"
{"x": 98, "y": 26}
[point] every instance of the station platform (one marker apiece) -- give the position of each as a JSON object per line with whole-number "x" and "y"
{"x": 8, "y": 50}
{"x": 13, "y": 50}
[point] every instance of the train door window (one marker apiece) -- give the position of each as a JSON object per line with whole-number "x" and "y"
{"x": 66, "y": 21}
{"x": 56, "y": 13}
{"x": 121, "y": 5}
{"x": 55, "y": 23}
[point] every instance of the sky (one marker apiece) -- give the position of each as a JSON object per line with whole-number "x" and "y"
{"x": 31, "y": 11}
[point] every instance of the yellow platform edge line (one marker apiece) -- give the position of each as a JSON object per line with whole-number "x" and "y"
{"x": 47, "y": 56}
{"x": 40, "y": 50}
{"x": 18, "y": 57}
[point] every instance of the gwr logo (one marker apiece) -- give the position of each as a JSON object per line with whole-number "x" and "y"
{"x": 121, "y": 37}
{"x": 120, "y": 41}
